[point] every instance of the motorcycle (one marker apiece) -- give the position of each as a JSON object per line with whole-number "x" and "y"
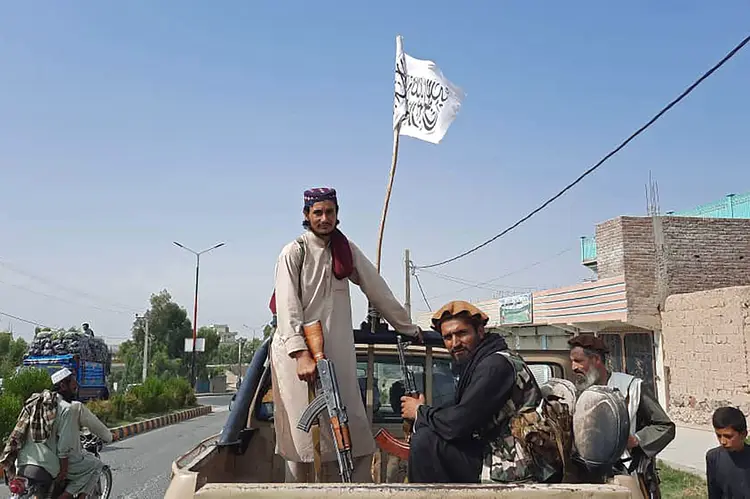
{"x": 35, "y": 482}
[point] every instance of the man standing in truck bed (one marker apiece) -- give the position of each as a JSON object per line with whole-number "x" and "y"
{"x": 312, "y": 283}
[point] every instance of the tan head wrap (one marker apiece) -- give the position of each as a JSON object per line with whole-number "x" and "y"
{"x": 455, "y": 308}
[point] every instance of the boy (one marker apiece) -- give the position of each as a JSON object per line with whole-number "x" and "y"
{"x": 728, "y": 466}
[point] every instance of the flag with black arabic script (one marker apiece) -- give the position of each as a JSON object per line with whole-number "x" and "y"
{"x": 425, "y": 102}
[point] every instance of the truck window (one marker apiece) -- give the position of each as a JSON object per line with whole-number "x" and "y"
{"x": 389, "y": 388}
{"x": 542, "y": 372}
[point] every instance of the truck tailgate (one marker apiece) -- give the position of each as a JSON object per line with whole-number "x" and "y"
{"x": 411, "y": 491}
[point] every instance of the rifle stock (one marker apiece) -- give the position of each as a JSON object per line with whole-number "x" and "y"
{"x": 391, "y": 445}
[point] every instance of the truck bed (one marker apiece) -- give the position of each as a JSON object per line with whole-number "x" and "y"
{"x": 241, "y": 462}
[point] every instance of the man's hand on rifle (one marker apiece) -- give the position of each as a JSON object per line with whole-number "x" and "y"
{"x": 409, "y": 406}
{"x": 306, "y": 366}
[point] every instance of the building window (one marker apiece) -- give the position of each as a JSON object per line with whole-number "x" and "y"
{"x": 632, "y": 353}
{"x": 614, "y": 359}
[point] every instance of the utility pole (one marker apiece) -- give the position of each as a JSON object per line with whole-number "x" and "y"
{"x": 145, "y": 349}
{"x": 407, "y": 282}
{"x": 241, "y": 341}
{"x": 144, "y": 320}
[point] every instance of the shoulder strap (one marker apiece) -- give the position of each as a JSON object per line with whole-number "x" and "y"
{"x": 301, "y": 243}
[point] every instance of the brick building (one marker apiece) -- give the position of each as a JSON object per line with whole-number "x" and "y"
{"x": 638, "y": 264}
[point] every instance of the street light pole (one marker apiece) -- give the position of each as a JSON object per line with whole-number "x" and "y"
{"x": 195, "y": 301}
{"x": 240, "y": 341}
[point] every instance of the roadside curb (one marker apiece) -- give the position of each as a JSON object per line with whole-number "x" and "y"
{"x": 132, "y": 429}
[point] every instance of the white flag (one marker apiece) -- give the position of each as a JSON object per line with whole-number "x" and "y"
{"x": 425, "y": 102}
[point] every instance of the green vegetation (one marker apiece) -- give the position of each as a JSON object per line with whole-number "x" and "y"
{"x": 168, "y": 327}
{"x": 154, "y": 397}
{"x": 11, "y": 353}
{"x": 676, "y": 483}
{"x": 16, "y": 389}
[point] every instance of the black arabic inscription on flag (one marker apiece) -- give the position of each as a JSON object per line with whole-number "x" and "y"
{"x": 425, "y": 98}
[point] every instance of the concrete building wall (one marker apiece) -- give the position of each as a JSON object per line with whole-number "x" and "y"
{"x": 706, "y": 356}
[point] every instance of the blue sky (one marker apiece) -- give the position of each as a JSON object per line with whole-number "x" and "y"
{"x": 125, "y": 127}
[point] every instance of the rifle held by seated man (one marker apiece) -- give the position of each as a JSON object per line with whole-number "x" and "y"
{"x": 385, "y": 440}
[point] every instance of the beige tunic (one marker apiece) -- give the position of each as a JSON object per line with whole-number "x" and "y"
{"x": 327, "y": 299}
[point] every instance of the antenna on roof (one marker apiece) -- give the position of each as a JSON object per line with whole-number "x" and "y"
{"x": 653, "y": 208}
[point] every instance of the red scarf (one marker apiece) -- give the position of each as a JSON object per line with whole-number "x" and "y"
{"x": 343, "y": 261}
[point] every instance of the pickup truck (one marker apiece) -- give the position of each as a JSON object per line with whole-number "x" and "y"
{"x": 240, "y": 462}
{"x": 91, "y": 376}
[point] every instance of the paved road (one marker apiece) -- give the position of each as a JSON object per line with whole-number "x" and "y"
{"x": 216, "y": 400}
{"x": 141, "y": 465}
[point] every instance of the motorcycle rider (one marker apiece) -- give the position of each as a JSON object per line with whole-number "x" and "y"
{"x": 61, "y": 417}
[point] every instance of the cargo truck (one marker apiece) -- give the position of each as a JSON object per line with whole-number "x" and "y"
{"x": 91, "y": 376}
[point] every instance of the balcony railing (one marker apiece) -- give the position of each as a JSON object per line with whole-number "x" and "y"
{"x": 588, "y": 249}
{"x": 732, "y": 206}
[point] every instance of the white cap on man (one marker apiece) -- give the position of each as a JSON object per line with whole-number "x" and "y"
{"x": 60, "y": 375}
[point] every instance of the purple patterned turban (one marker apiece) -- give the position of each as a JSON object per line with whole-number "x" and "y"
{"x": 318, "y": 194}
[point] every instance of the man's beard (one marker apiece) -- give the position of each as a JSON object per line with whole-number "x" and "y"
{"x": 588, "y": 380}
{"x": 68, "y": 396}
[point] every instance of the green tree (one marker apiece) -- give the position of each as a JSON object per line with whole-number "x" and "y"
{"x": 202, "y": 358}
{"x": 267, "y": 331}
{"x": 132, "y": 356}
{"x": 168, "y": 328}
{"x": 168, "y": 325}
{"x": 11, "y": 353}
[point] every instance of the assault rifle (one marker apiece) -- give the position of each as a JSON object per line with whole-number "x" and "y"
{"x": 328, "y": 396}
{"x": 384, "y": 439}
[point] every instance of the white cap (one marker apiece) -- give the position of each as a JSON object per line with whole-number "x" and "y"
{"x": 61, "y": 375}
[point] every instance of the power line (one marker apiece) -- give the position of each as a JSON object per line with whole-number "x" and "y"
{"x": 69, "y": 289}
{"x": 421, "y": 290}
{"x": 64, "y": 300}
{"x": 473, "y": 284}
{"x": 658, "y": 115}
{"x": 508, "y": 274}
{"x": 21, "y": 319}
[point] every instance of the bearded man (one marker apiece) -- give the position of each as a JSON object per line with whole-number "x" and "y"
{"x": 451, "y": 442}
{"x": 651, "y": 430}
{"x": 312, "y": 283}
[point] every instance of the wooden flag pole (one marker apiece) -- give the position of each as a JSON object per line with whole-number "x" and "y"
{"x": 394, "y": 160}
{"x": 372, "y": 313}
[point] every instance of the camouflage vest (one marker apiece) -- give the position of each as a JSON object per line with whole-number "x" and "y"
{"x": 524, "y": 437}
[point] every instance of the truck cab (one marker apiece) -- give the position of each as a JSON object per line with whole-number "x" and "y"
{"x": 91, "y": 377}
{"x": 241, "y": 461}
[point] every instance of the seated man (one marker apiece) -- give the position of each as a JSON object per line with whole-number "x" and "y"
{"x": 79, "y": 468}
{"x": 32, "y": 445}
{"x": 47, "y": 436}
{"x": 449, "y": 443}
{"x": 728, "y": 466}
